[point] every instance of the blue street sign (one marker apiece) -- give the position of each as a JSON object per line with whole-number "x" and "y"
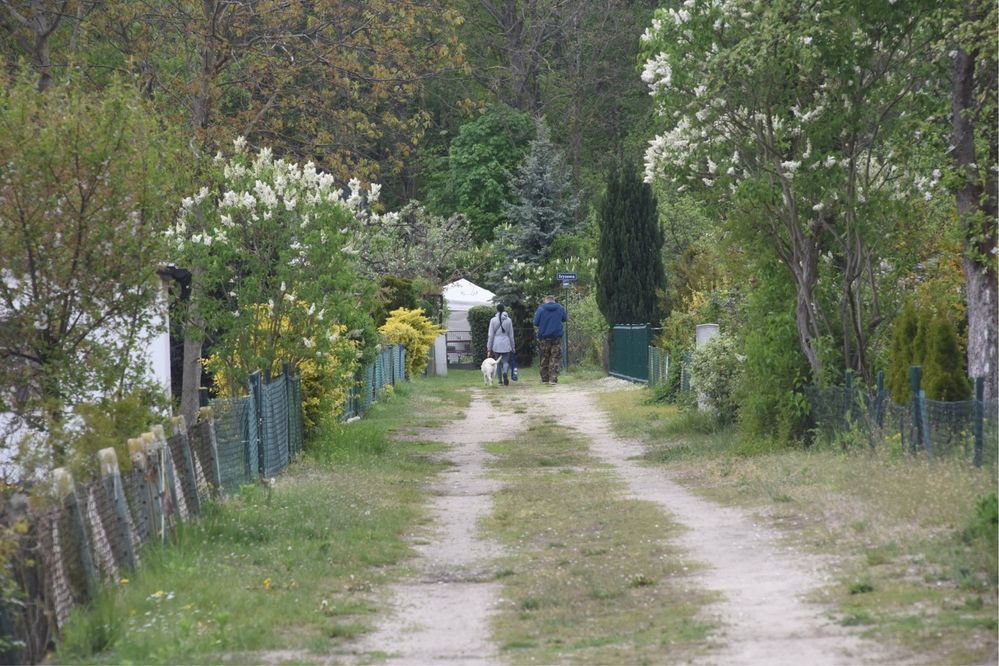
{"x": 565, "y": 277}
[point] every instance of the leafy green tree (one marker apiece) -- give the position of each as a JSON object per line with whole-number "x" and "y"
{"x": 475, "y": 177}
{"x": 799, "y": 121}
{"x": 629, "y": 269}
{"x": 394, "y": 293}
{"x": 564, "y": 59}
{"x": 413, "y": 243}
{"x": 772, "y": 404}
{"x": 927, "y": 337}
{"x": 85, "y": 197}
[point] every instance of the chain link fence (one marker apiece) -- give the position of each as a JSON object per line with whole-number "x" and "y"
{"x": 850, "y": 413}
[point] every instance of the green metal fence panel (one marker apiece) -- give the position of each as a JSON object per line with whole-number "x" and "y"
{"x": 236, "y": 440}
{"x": 274, "y": 427}
{"x": 296, "y": 419}
{"x": 629, "y": 351}
{"x": 658, "y": 366}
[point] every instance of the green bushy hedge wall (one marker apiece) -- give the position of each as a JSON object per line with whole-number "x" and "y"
{"x": 478, "y": 322}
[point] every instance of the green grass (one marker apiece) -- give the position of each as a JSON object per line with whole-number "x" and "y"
{"x": 589, "y": 576}
{"x": 910, "y": 540}
{"x": 298, "y": 570}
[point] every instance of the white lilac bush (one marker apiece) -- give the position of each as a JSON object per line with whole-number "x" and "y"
{"x": 271, "y": 246}
{"x": 806, "y": 125}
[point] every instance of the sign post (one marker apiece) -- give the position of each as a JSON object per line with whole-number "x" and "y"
{"x": 566, "y": 279}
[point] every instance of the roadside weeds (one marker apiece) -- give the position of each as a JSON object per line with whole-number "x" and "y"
{"x": 894, "y": 530}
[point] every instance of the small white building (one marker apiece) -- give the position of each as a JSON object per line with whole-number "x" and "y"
{"x": 460, "y": 296}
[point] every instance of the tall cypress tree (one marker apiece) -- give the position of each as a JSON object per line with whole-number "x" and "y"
{"x": 630, "y": 269}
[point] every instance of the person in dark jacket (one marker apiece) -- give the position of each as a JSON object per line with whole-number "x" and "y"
{"x": 549, "y": 319}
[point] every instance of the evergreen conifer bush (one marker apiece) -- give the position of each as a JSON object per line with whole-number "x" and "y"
{"x": 929, "y": 339}
{"x": 630, "y": 270}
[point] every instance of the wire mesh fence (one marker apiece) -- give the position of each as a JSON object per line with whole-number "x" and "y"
{"x": 95, "y": 531}
{"x": 388, "y": 368}
{"x": 849, "y": 415}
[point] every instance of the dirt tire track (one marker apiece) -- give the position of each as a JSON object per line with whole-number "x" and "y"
{"x": 444, "y": 616}
{"x": 764, "y": 611}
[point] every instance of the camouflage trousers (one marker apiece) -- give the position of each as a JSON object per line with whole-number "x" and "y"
{"x": 550, "y": 357}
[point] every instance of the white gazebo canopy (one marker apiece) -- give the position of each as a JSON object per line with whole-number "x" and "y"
{"x": 461, "y": 295}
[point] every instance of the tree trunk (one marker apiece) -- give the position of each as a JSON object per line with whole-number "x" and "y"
{"x": 804, "y": 319}
{"x": 191, "y": 381}
{"x": 200, "y": 115}
{"x": 980, "y": 287}
{"x": 977, "y": 214}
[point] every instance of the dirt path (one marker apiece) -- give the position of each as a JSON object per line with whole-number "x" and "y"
{"x": 763, "y": 610}
{"x": 443, "y": 615}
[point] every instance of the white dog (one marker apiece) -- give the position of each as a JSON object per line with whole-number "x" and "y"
{"x": 488, "y": 371}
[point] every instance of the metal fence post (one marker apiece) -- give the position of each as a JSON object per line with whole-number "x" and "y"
{"x": 847, "y": 398}
{"x": 924, "y": 415}
{"x": 879, "y": 400}
{"x": 915, "y": 377}
{"x": 979, "y": 418}
{"x": 257, "y": 396}
{"x": 288, "y": 398}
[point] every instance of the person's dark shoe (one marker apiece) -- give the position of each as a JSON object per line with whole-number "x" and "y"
{"x": 506, "y": 379}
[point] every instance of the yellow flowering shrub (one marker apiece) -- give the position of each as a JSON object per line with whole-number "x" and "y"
{"x": 415, "y": 331}
{"x": 324, "y": 359}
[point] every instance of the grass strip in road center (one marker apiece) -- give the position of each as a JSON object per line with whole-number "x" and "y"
{"x": 589, "y": 576}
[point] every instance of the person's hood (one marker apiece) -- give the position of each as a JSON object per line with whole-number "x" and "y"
{"x": 551, "y": 307}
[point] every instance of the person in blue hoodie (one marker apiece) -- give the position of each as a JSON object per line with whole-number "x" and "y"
{"x": 549, "y": 319}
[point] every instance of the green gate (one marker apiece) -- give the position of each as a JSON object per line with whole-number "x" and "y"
{"x": 629, "y": 351}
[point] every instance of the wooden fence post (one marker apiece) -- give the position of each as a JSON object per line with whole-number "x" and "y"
{"x": 66, "y": 493}
{"x": 179, "y": 426}
{"x": 111, "y": 474}
{"x": 177, "y": 504}
{"x": 156, "y": 483}
{"x": 206, "y": 421}
{"x": 143, "y": 505}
